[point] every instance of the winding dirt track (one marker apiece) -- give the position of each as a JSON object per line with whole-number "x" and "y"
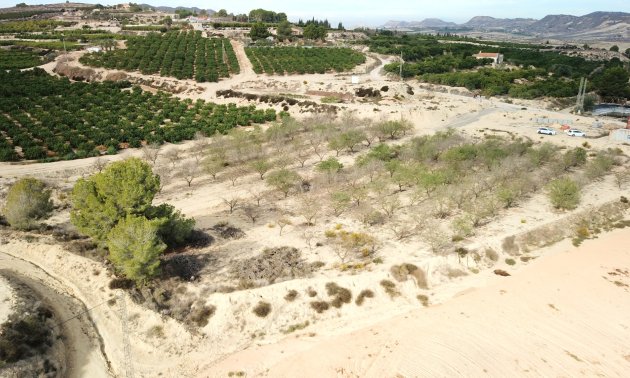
{"x": 82, "y": 343}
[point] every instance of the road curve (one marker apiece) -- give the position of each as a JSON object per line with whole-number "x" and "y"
{"x": 82, "y": 342}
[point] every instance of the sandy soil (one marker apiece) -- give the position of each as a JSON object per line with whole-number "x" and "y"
{"x": 7, "y": 300}
{"x": 563, "y": 315}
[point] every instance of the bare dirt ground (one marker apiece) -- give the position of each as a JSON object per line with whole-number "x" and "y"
{"x": 564, "y": 314}
{"x": 370, "y": 340}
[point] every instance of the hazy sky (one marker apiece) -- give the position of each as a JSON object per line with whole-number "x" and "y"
{"x": 373, "y": 13}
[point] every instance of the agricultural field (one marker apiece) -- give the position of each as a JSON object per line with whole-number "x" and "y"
{"x": 46, "y": 117}
{"x": 533, "y": 71}
{"x": 32, "y": 26}
{"x": 18, "y": 59}
{"x": 296, "y": 60}
{"x": 81, "y": 35}
{"x": 183, "y": 55}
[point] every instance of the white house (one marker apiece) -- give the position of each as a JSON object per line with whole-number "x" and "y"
{"x": 496, "y": 57}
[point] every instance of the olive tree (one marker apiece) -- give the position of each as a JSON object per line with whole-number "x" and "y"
{"x": 28, "y": 201}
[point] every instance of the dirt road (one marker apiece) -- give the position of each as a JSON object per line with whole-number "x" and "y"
{"x": 82, "y": 343}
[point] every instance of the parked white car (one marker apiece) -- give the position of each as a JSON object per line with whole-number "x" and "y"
{"x": 546, "y": 131}
{"x": 575, "y": 132}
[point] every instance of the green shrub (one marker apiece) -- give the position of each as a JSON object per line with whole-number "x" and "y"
{"x": 564, "y": 193}
{"x": 28, "y": 201}
{"x": 510, "y": 261}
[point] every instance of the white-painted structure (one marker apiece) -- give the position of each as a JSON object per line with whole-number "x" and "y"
{"x": 496, "y": 57}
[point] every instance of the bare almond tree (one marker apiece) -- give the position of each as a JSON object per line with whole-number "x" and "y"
{"x": 309, "y": 207}
{"x": 99, "y": 164}
{"x": 232, "y": 203}
{"x": 282, "y": 223}
{"x": 234, "y": 174}
{"x": 173, "y": 156}
{"x": 252, "y": 212}
{"x": 189, "y": 171}
{"x": 151, "y": 152}
{"x": 165, "y": 174}
{"x": 258, "y": 195}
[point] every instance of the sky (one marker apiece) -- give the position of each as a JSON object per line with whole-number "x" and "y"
{"x": 375, "y": 13}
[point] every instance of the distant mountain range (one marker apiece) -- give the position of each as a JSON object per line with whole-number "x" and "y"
{"x": 616, "y": 24}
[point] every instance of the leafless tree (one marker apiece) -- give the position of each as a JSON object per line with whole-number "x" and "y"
{"x": 282, "y": 223}
{"x": 252, "y": 212}
{"x": 232, "y": 203}
{"x": 173, "y": 156}
{"x": 165, "y": 174}
{"x": 151, "y": 152}
{"x": 234, "y": 174}
{"x": 258, "y": 195}
{"x": 99, "y": 164}
{"x": 189, "y": 171}
{"x": 309, "y": 208}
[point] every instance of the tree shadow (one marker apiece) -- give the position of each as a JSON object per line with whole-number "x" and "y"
{"x": 186, "y": 267}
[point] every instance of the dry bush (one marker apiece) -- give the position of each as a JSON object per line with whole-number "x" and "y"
{"x": 311, "y": 292}
{"x": 423, "y": 299}
{"x": 451, "y": 272}
{"x": 201, "y": 314}
{"x": 390, "y": 288}
{"x": 320, "y": 306}
{"x": 362, "y": 295}
{"x": 500, "y": 272}
{"x": 509, "y": 245}
{"x": 121, "y": 283}
{"x": 157, "y": 331}
{"x": 291, "y": 295}
{"x": 262, "y": 309}
{"x": 492, "y": 255}
{"x": 401, "y": 272}
{"x": 271, "y": 265}
{"x": 296, "y": 327}
{"x": 341, "y": 294}
{"x": 227, "y": 231}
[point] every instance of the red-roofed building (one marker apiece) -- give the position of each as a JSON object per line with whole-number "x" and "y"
{"x": 496, "y": 57}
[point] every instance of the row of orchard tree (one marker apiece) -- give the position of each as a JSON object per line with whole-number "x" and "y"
{"x": 183, "y": 55}
{"x": 48, "y": 117}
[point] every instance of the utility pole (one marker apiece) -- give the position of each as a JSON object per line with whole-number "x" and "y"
{"x": 125, "y": 335}
{"x": 579, "y": 103}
